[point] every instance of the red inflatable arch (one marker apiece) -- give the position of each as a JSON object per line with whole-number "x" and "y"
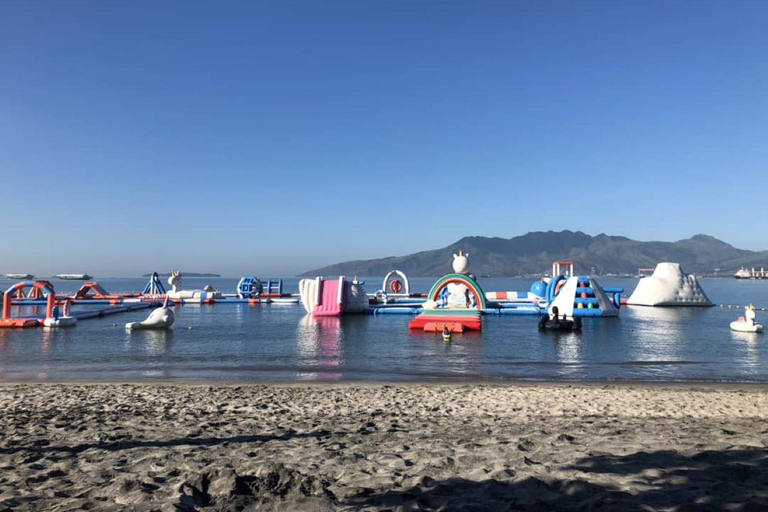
{"x": 41, "y": 289}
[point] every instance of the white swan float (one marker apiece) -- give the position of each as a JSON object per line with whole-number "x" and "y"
{"x": 747, "y": 323}
{"x": 160, "y": 318}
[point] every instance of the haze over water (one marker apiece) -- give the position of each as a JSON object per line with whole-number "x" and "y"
{"x": 279, "y": 342}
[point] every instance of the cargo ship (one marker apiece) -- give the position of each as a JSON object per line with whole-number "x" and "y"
{"x": 745, "y": 273}
{"x": 19, "y": 276}
{"x": 73, "y": 277}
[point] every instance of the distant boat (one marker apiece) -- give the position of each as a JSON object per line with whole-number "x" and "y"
{"x": 745, "y": 273}
{"x": 19, "y": 276}
{"x": 73, "y": 277}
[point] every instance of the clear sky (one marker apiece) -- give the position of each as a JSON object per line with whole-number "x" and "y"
{"x": 272, "y": 137}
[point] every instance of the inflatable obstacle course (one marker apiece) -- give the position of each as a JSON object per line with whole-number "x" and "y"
{"x": 41, "y": 289}
{"x": 57, "y": 312}
{"x": 396, "y": 284}
{"x": 581, "y": 296}
{"x": 154, "y": 286}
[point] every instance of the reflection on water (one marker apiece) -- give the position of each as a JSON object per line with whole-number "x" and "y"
{"x": 568, "y": 346}
{"x": 658, "y": 334}
{"x": 459, "y": 356}
{"x": 5, "y": 336}
{"x": 666, "y": 314}
{"x": 47, "y": 341}
{"x": 320, "y": 340}
{"x": 749, "y": 341}
{"x": 155, "y": 342}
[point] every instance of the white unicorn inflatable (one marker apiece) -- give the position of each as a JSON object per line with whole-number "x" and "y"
{"x": 159, "y": 318}
{"x": 177, "y": 293}
{"x": 747, "y": 323}
{"x": 456, "y": 295}
{"x": 461, "y": 263}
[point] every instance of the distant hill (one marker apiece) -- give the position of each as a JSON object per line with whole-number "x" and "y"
{"x": 534, "y": 253}
{"x": 184, "y": 274}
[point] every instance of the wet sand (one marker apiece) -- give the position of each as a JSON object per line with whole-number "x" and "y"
{"x": 383, "y": 447}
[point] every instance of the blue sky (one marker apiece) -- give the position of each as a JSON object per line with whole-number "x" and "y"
{"x": 272, "y": 137}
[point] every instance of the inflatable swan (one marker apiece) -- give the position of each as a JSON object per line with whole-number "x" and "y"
{"x": 160, "y": 318}
{"x": 747, "y": 323}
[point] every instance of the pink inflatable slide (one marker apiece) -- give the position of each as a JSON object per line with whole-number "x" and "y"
{"x": 332, "y": 297}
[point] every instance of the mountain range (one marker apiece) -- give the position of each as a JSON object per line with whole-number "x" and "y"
{"x": 533, "y": 253}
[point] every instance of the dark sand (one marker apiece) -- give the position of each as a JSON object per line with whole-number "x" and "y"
{"x": 383, "y": 447}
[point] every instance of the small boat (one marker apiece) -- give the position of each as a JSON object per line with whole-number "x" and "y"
{"x": 747, "y": 322}
{"x": 22, "y": 277}
{"x": 73, "y": 277}
{"x": 283, "y": 300}
{"x": 554, "y": 323}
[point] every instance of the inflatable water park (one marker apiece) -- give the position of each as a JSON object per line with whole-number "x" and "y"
{"x": 57, "y": 308}
{"x": 455, "y": 303}
{"x": 100, "y": 303}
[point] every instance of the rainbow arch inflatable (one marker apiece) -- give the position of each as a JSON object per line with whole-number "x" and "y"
{"x": 474, "y": 288}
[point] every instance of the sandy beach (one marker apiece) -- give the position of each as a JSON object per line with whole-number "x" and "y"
{"x": 383, "y": 447}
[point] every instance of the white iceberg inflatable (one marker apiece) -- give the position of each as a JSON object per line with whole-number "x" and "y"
{"x": 747, "y": 323}
{"x": 160, "y": 318}
{"x": 669, "y": 286}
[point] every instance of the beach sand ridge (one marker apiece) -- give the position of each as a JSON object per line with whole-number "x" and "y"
{"x": 384, "y": 446}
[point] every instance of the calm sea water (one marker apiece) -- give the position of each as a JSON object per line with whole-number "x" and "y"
{"x": 279, "y": 342}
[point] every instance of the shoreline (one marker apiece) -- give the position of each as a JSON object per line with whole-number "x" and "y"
{"x": 502, "y": 383}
